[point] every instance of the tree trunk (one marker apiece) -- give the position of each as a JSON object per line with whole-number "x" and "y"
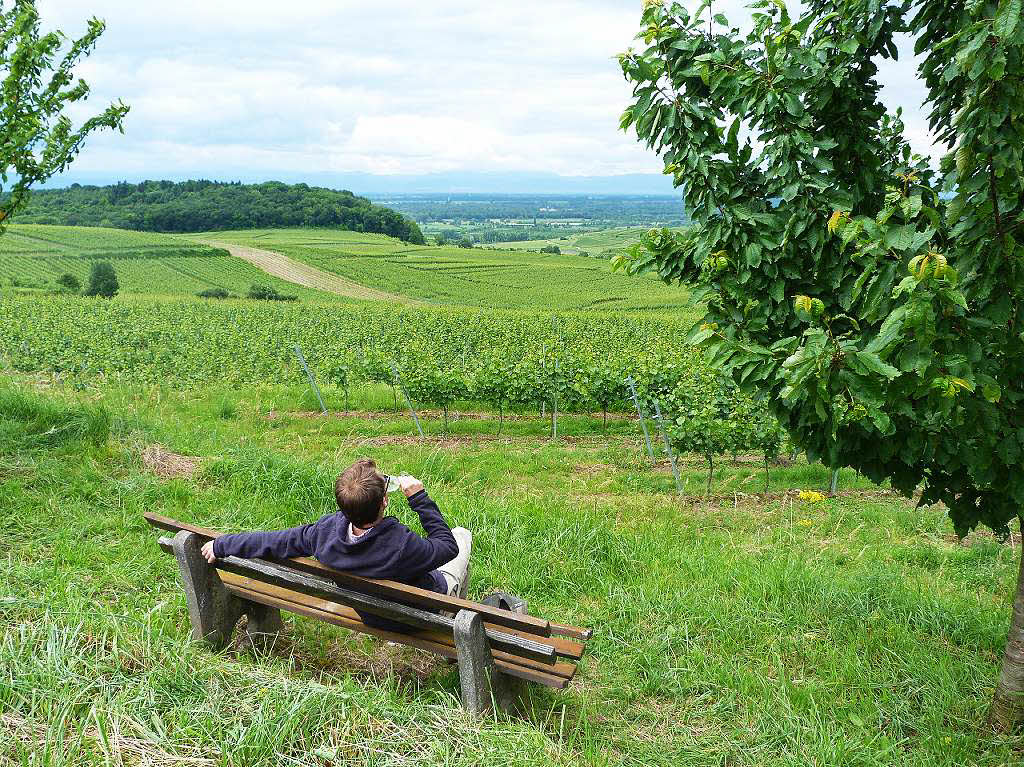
{"x": 501, "y": 417}
{"x": 1007, "y": 711}
{"x": 711, "y": 473}
{"x": 767, "y": 474}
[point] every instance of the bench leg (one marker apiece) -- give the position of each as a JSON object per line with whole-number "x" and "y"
{"x": 212, "y": 609}
{"x": 482, "y": 684}
{"x": 264, "y": 624}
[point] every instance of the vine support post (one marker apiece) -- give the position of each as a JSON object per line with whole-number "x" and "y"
{"x": 640, "y": 413}
{"x": 543, "y": 367}
{"x": 312, "y": 381}
{"x": 668, "y": 446}
{"x": 398, "y": 380}
{"x": 554, "y": 406}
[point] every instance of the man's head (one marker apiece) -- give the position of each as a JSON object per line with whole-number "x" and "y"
{"x": 361, "y": 492}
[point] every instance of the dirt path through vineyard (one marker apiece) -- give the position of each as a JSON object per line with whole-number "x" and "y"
{"x": 278, "y": 265}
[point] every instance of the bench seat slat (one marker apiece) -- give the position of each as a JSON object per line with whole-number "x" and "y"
{"x": 511, "y": 665}
{"x": 246, "y": 588}
{"x": 566, "y": 648}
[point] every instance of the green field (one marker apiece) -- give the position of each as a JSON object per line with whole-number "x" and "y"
{"x": 744, "y": 629}
{"x": 195, "y": 341}
{"x": 478, "y": 277}
{"x": 602, "y": 244}
{"x": 36, "y": 255}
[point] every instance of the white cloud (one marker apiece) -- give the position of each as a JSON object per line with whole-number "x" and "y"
{"x": 260, "y": 86}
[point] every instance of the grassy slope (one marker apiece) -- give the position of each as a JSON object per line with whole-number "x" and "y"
{"x": 145, "y": 263}
{"x": 745, "y": 630}
{"x": 484, "y": 278}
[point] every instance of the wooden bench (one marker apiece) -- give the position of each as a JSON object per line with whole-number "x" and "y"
{"x": 497, "y": 649}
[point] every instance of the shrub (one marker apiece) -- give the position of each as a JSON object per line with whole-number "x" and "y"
{"x": 102, "y": 280}
{"x": 69, "y": 282}
{"x": 552, "y": 249}
{"x": 267, "y": 293}
{"x": 213, "y": 293}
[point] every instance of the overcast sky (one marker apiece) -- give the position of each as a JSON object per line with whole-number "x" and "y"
{"x": 233, "y": 88}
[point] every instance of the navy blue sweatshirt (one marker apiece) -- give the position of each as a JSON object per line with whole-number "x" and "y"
{"x": 388, "y": 550}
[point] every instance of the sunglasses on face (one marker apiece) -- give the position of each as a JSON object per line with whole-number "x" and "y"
{"x": 390, "y": 483}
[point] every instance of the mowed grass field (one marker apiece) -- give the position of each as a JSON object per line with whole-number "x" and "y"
{"x": 478, "y": 277}
{"x": 747, "y": 628}
{"x": 145, "y": 263}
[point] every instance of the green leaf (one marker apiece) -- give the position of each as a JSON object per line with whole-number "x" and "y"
{"x": 992, "y": 392}
{"x": 891, "y": 329}
{"x": 874, "y": 363}
{"x": 900, "y": 237}
{"x": 911, "y": 205}
{"x": 1007, "y": 18}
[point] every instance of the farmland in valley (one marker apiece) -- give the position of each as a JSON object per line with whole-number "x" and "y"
{"x": 603, "y": 244}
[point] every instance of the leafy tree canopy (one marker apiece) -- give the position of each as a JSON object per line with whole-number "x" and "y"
{"x": 203, "y": 206}
{"x": 37, "y": 139}
{"x": 874, "y": 300}
{"x": 102, "y": 280}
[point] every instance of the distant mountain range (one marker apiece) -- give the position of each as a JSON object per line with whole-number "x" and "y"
{"x": 433, "y": 183}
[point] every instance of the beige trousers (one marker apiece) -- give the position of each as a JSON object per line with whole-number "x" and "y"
{"x": 456, "y": 572}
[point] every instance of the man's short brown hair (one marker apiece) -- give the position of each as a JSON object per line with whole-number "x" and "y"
{"x": 359, "y": 491}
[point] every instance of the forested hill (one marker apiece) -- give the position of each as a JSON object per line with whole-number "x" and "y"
{"x": 202, "y": 206}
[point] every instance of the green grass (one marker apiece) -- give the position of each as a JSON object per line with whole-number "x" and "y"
{"x": 743, "y": 629}
{"x": 145, "y": 263}
{"x": 479, "y": 277}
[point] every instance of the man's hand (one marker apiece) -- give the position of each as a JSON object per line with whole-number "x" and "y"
{"x": 410, "y": 485}
{"x": 208, "y": 552}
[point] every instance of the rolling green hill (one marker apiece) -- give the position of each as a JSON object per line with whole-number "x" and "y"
{"x": 34, "y": 256}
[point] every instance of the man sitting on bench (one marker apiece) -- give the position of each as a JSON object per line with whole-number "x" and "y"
{"x": 359, "y": 539}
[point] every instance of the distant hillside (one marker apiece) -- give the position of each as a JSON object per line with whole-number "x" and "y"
{"x": 203, "y": 206}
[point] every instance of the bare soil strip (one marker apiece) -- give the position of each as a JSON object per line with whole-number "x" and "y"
{"x": 278, "y": 265}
